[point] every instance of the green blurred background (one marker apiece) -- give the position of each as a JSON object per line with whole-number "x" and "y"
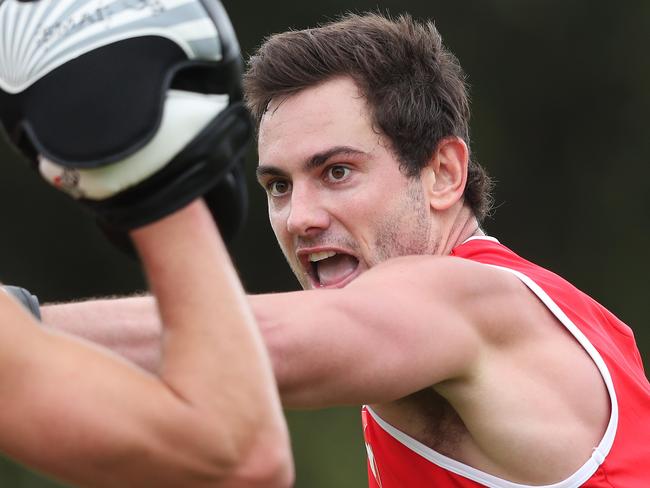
{"x": 561, "y": 96}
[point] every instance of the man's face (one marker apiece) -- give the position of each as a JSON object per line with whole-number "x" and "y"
{"x": 338, "y": 202}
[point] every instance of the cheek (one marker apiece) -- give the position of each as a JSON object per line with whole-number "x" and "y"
{"x": 279, "y": 226}
{"x": 274, "y": 211}
{"x": 369, "y": 211}
{"x": 404, "y": 228}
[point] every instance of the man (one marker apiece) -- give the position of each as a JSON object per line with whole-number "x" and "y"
{"x": 475, "y": 367}
{"x": 210, "y": 414}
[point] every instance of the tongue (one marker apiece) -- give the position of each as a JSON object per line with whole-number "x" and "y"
{"x": 334, "y": 269}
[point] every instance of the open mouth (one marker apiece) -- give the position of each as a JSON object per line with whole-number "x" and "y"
{"x": 331, "y": 269}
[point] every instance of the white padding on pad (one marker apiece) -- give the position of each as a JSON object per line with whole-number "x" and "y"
{"x": 185, "y": 114}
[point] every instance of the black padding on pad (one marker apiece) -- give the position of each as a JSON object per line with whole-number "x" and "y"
{"x": 208, "y": 78}
{"x": 76, "y": 117}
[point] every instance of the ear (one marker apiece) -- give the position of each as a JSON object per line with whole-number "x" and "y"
{"x": 445, "y": 176}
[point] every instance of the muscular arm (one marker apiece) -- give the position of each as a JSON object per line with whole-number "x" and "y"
{"x": 210, "y": 417}
{"x": 399, "y": 328}
{"x": 366, "y": 343}
{"x": 129, "y": 326}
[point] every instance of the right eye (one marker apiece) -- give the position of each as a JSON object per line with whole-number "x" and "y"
{"x": 278, "y": 188}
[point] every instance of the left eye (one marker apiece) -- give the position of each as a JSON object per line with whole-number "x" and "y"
{"x": 338, "y": 172}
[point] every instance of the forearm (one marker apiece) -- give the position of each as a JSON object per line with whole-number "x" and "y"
{"x": 129, "y": 326}
{"x": 203, "y": 309}
{"x": 213, "y": 357}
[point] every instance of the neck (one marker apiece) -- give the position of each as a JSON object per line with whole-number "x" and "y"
{"x": 462, "y": 226}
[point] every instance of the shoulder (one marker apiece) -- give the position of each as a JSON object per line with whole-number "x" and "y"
{"x": 462, "y": 292}
{"x": 451, "y": 277}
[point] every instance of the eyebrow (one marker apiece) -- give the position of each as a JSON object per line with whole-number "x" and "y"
{"x": 315, "y": 161}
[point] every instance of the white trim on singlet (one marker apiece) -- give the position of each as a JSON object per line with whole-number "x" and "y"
{"x": 480, "y": 238}
{"x": 585, "y": 471}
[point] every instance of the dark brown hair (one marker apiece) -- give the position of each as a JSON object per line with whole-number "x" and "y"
{"x": 414, "y": 87}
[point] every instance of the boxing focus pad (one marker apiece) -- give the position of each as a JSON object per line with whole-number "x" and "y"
{"x": 132, "y": 108}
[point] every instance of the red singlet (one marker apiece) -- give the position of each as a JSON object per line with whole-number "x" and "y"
{"x": 621, "y": 459}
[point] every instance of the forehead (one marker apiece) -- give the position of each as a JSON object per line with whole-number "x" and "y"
{"x": 331, "y": 114}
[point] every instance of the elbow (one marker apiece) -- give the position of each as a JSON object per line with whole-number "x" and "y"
{"x": 272, "y": 468}
{"x": 268, "y": 464}
{"x": 256, "y": 455}
{"x": 275, "y": 469}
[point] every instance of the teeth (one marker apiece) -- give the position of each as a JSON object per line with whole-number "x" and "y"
{"x": 319, "y": 256}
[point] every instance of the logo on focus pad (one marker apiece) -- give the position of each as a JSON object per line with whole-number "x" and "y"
{"x": 68, "y": 181}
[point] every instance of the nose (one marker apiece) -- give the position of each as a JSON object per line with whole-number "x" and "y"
{"x": 307, "y": 215}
